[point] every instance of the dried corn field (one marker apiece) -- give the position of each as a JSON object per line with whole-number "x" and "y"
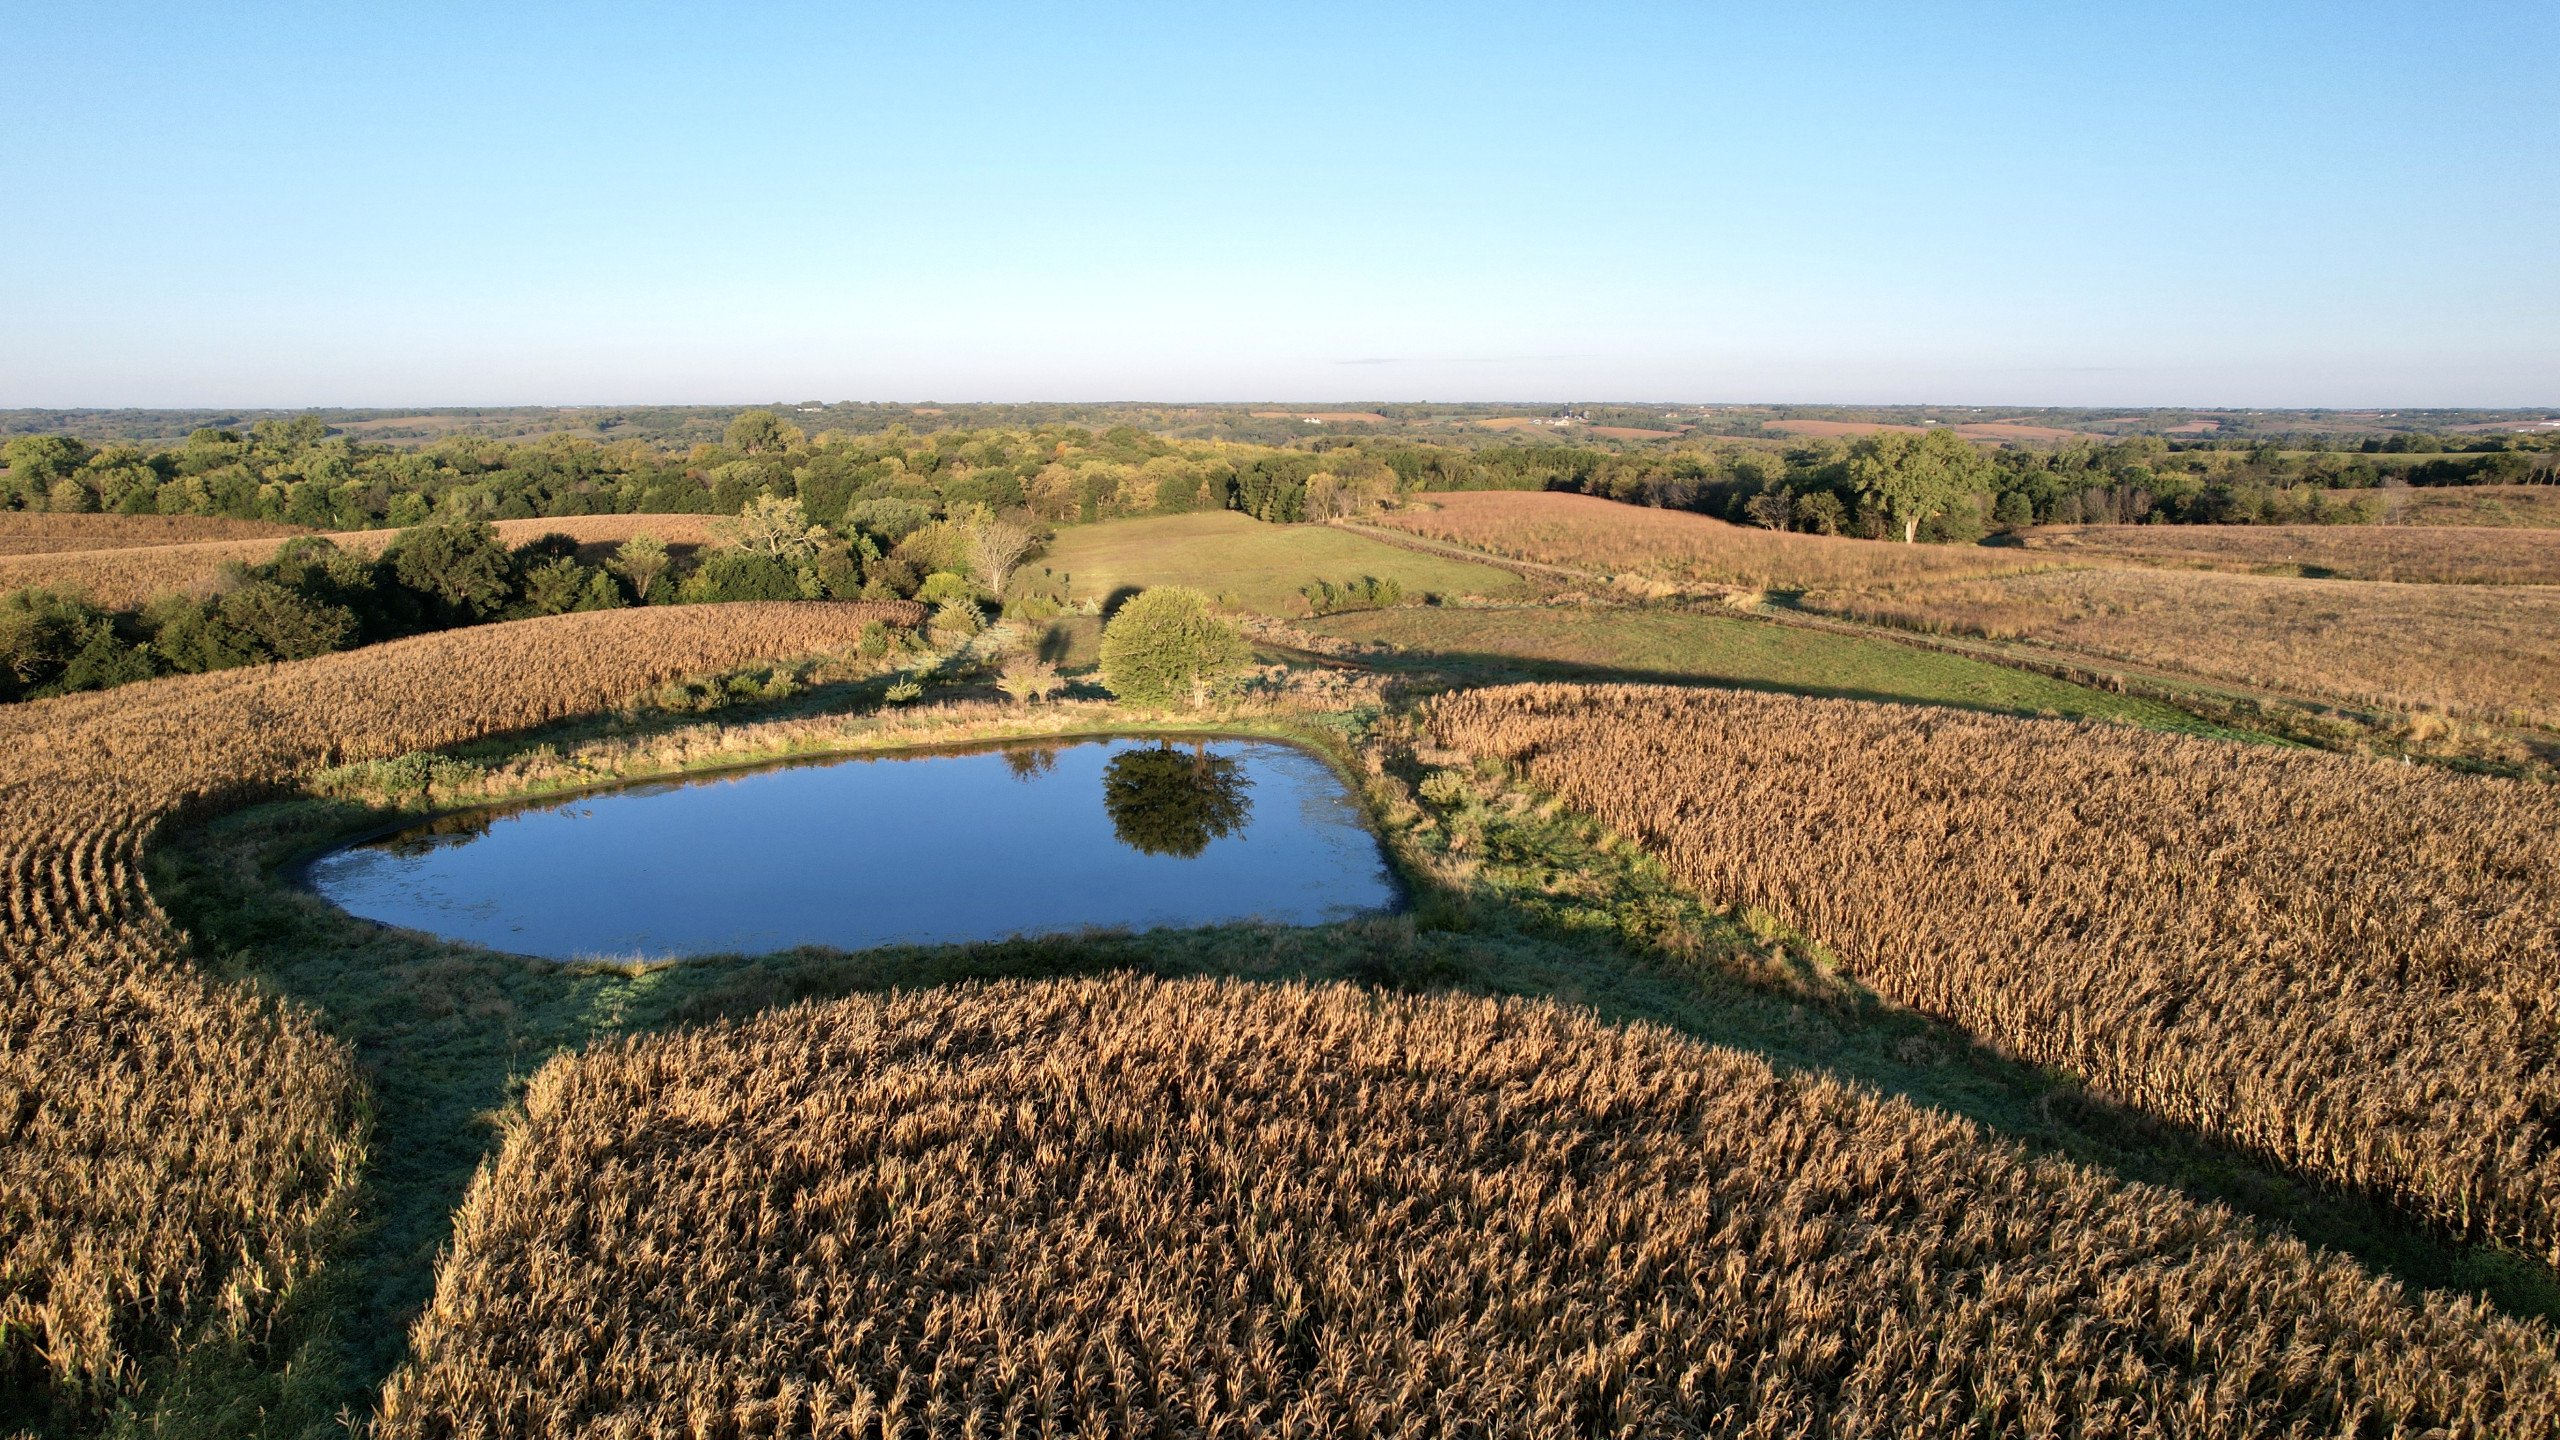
{"x": 2416, "y": 554}
{"x": 180, "y": 1150}
{"x": 1131, "y": 1206}
{"x": 125, "y": 578}
{"x": 2350, "y": 968}
{"x": 35, "y": 533}
{"x": 1675, "y": 547}
{"x": 2475, "y": 650}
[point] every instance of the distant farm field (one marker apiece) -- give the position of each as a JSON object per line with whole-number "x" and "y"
{"x": 127, "y": 577}
{"x": 2478, "y": 650}
{"x": 1324, "y": 417}
{"x": 2419, "y": 554}
{"x": 1656, "y": 644}
{"x": 1836, "y": 429}
{"x": 1262, "y": 566}
{"x": 1583, "y": 532}
{"x": 35, "y": 533}
{"x": 1971, "y": 430}
{"x": 2015, "y": 430}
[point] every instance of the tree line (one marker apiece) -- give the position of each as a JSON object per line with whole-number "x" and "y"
{"x": 315, "y": 596}
{"x": 1933, "y": 486}
{"x": 891, "y": 484}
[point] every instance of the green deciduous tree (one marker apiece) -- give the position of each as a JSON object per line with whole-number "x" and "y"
{"x": 460, "y": 570}
{"x": 758, "y": 432}
{"x": 1167, "y": 647}
{"x": 44, "y": 634}
{"x": 776, "y": 528}
{"x": 1913, "y": 477}
{"x": 255, "y": 622}
{"x": 741, "y": 575}
{"x": 640, "y": 560}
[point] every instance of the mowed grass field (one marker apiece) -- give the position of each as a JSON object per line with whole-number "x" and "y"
{"x": 2418, "y": 554}
{"x": 1262, "y": 566}
{"x": 1690, "y": 646}
{"x": 2483, "y": 651}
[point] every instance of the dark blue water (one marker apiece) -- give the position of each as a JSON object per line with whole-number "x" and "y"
{"x": 929, "y": 848}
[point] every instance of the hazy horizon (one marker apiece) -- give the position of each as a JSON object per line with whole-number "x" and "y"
{"x": 2261, "y": 206}
{"x": 1293, "y": 403}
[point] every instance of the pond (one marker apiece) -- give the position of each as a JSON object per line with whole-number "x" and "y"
{"x": 922, "y": 848}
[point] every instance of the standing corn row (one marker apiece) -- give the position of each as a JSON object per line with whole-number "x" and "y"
{"x": 2348, "y": 967}
{"x": 179, "y": 1151}
{"x": 1126, "y": 1206}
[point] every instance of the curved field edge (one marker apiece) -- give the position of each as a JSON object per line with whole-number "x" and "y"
{"x": 2352, "y": 969}
{"x": 1392, "y": 956}
{"x": 1119, "y": 1204}
{"x": 183, "y": 1150}
{"x": 1744, "y": 651}
{"x": 1514, "y": 895}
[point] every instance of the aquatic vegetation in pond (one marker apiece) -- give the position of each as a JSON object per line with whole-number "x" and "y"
{"x": 928, "y": 848}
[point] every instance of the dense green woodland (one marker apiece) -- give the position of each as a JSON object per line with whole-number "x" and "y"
{"x": 903, "y": 515}
{"x": 890, "y": 483}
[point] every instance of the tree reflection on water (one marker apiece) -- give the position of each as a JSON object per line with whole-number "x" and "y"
{"x": 1030, "y": 762}
{"x": 1174, "y": 802}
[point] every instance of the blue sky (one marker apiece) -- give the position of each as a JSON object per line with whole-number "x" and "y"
{"x": 2229, "y": 204}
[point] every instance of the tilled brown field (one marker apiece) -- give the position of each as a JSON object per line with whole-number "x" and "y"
{"x": 180, "y": 1150}
{"x": 126, "y": 577}
{"x": 1128, "y": 1206}
{"x": 2350, "y": 967}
